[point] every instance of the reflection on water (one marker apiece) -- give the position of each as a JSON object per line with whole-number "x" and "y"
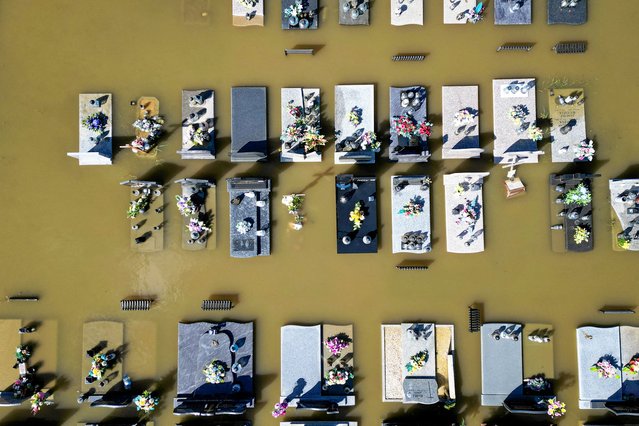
{"x": 66, "y": 237}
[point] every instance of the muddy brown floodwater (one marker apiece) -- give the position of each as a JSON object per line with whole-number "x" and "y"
{"x": 65, "y": 235}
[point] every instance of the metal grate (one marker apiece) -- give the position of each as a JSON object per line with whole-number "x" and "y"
{"x": 216, "y": 305}
{"x": 474, "y": 320}
{"x": 570, "y": 47}
{"x": 135, "y": 304}
{"x": 515, "y": 47}
{"x": 23, "y": 298}
{"x": 411, "y": 267}
{"x": 406, "y": 58}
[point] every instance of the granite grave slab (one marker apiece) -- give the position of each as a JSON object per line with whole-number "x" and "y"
{"x": 411, "y": 232}
{"x": 407, "y": 12}
{"x": 304, "y": 19}
{"x": 408, "y": 103}
{"x": 308, "y": 99}
{"x": 354, "y": 123}
{"x": 202, "y": 192}
{"x": 354, "y": 12}
{"x": 198, "y": 125}
{"x": 350, "y": 193}
{"x": 456, "y": 11}
{"x": 460, "y": 122}
{"x": 623, "y": 201}
{"x": 568, "y": 132}
{"x": 96, "y": 146}
{"x": 464, "y": 212}
{"x": 248, "y": 124}
{"x": 248, "y": 13}
{"x": 501, "y": 363}
{"x": 250, "y": 216}
{"x": 147, "y": 228}
{"x": 514, "y": 119}
{"x": 513, "y": 12}
{"x": 570, "y": 12}
{"x": 595, "y": 344}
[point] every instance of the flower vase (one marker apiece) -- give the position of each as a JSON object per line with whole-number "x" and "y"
{"x": 195, "y": 235}
{"x": 293, "y": 21}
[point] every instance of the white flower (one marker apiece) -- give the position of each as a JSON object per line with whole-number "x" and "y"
{"x": 287, "y": 200}
{"x": 243, "y": 227}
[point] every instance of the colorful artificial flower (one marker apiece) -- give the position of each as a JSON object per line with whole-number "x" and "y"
{"x": 417, "y": 361}
{"x": 463, "y": 117}
{"x": 338, "y": 376}
{"x": 632, "y": 367}
{"x": 335, "y": 344}
{"x": 279, "y": 409}
{"x": 198, "y": 135}
{"x": 469, "y": 214}
{"x": 556, "y": 408}
{"x": 535, "y": 133}
{"x": 414, "y": 207}
{"x": 585, "y": 150}
{"x": 368, "y": 141}
{"x": 605, "y": 369}
{"x": 197, "y": 226}
{"x": 138, "y": 206}
{"x": 357, "y": 216}
{"x": 185, "y": 205}
{"x": 215, "y": 372}
{"x": 355, "y": 116}
{"x": 146, "y": 402}
{"x": 305, "y": 128}
{"x": 96, "y": 122}
{"x": 579, "y": 195}
{"x": 249, "y": 3}
{"x": 152, "y": 125}
{"x": 37, "y": 401}
{"x": 243, "y": 227}
{"x": 581, "y": 235}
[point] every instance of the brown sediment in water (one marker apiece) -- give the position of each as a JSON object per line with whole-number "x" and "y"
{"x": 65, "y": 235}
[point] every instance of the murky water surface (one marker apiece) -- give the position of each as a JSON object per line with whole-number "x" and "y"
{"x": 65, "y": 233}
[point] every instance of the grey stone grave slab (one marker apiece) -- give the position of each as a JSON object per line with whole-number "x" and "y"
{"x": 244, "y": 16}
{"x": 301, "y": 97}
{"x": 464, "y": 189}
{"x": 629, "y": 350}
{"x": 301, "y": 362}
{"x": 203, "y": 106}
{"x": 620, "y": 202}
{"x": 197, "y": 347}
{"x": 501, "y": 363}
{"x": 593, "y": 344}
{"x": 568, "y": 129}
{"x": 248, "y": 124}
{"x": 96, "y": 148}
{"x": 346, "y": 12}
{"x": 570, "y": 182}
{"x": 352, "y": 190}
{"x": 576, "y": 15}
{"x": 510, "y": 144}
{"x": 460, "y": 137}
{"x": 403, "y": 149}
{"x": 412, "y": 188}
{"x": 310, "y": 13}
{"x": 349, "y": 98}
{"x": 249, "y": 192}
{"x": 454, "y": 10}
{"x": 513, "y": 12}
{"x": 409, "y": 12}
{"x": 420, "y": 385}
{"x": 202, "y": 192}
